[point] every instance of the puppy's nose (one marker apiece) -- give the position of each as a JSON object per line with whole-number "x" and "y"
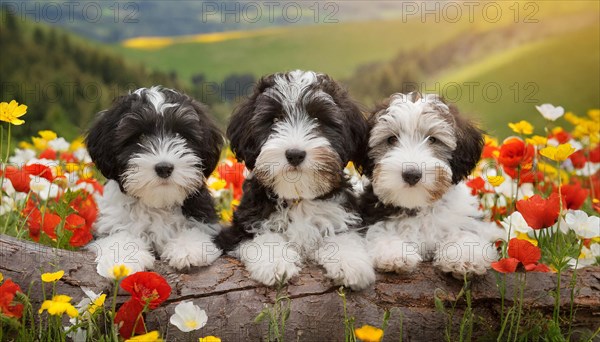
{"x": 411, "y": 177}
{"x": 164, "y": 169}
{"x": 295, "y": 157}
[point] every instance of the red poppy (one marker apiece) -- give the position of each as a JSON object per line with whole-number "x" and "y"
{"x": 477, "y": 185}
{"x": 574, "y": 195}
{"x": 46, "y": 222}
{"x": 489, "y": 151}
{"x": 126, "y": 317}
{"x": 561, "y": 136}
{"x": 595, "y": 154}
{"x": 81, "y": 231}
{"x": 39, "y": 170}
{"x": 68, "y": 157}
{"x": 232, "y": 173}
{"x": 525, "y": 175}
{"x": 18, "y": 178}
{"x": 538, "y": 212}
{"x": 515, "y": 152}
{"x": 521, "y": 252}
{"x": 147, "y": 288}
{"x": 86, "y": 207}
{"x": 48, "y": 154}
{"x": 94, "y": 183}
{"x": 8, "y": 308}
{"x": 578, "y": 159}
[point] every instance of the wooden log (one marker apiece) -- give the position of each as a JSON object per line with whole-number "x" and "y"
{"x": 232, "y": 300}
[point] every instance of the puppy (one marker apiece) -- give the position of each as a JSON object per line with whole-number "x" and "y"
{"x": 156, "y": 147}
{"x": 417, "y": 207}
{"x": 296, "y": 133}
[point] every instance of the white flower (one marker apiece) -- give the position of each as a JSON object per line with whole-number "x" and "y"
{"x": 7, "y": 187}
{"x": 516, "y": 224}
{"x": 21, "y": 156}
{"x": 509, "y": 187}
{"x": 7, "y": 206}
{"x": 59, "y": 144}
{"x": 587, "y": 257}
{"x": 585, "y": 227}
{"x": 43, "y": 187}
{"x": 550, "y": 112}
{"x": 82, "y": 155}
{"x": 188, "y": 317}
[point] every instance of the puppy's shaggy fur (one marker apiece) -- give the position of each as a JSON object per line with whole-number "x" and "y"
{"x": 417, "y": 208}
{"x": 156, "y": 147}
{"x": 296, "y": 133}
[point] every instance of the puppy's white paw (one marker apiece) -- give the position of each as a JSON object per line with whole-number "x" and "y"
{"x": 347, "y": 262}
{"x": 190, "y": 248}
{"x": 465, "y": 257}
{"x": 270, "y": 259}
{"x": 394, "y": 256}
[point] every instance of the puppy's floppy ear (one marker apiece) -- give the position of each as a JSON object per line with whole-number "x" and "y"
{"x": 212, "y": 139}
{"x": 101, "y": 137}
{"x": 242, "y": 139}
{"x": 356, "y": 126}
{"x": 469, "y": 145}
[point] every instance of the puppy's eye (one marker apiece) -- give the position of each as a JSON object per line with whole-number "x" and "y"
{"x": 432, "y": 140}
{"x": 392, "y": 140}
{"x": 275, "y": 120}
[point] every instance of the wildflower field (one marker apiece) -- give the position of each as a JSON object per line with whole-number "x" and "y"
{"x": 543, "y": 191}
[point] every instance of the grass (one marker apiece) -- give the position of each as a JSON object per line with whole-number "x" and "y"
{"x": 337, "y": 49}
{"x": 562, "y": 70}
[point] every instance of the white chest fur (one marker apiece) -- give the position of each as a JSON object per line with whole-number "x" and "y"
{"x": 120, "y": 212}
{"x": 307, "y": 222}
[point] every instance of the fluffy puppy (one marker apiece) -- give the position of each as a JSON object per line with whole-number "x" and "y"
{"x": 417, "y": 207}
{"x": 296, "y": 133}
{"x": 156, "y": 147}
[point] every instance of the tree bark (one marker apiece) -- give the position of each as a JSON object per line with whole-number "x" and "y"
{"x": 232, "y": 300}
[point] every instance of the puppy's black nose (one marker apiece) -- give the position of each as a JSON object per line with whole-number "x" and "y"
{"x": 164, "y": 169}
{"x": 411, "y": 177}
{"x": 294, "y": 156}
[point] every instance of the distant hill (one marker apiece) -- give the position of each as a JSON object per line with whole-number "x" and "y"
{"x": 63, "y": 80}
{"x": 110, "y": 21}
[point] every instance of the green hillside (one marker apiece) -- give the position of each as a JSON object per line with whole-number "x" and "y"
{"x": 563, "y": 71}
{"x": 63, "y": 79}
{"x": 336, "y": 49}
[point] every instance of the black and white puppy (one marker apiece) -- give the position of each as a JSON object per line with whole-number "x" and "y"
{"x": 417, "y": 207}
{"x": 296, "y": 133}
{"x": 156, "y": 147}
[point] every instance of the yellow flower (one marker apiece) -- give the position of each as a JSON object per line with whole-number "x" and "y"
{"x": 495, "y": 180}
{"x": 490, "y": 140}
{"x": 120, "y": 271}
{"x": 368, "y": 333}
{"x": 537, "y": 140}
{"x": 524, "y": 236}
{"x": 47, "y": 135}
{"x": 226, "y": 215}
{"x": 10, "y": 112}
{"x": 52, "y": 277}
{"x": 521, "y": 127}
{"x": 1, "y": 277}
{"x": 572, "y": 118}
{"x": 25, "y": 145}
{"x": 76, "y": 144}
{"x": 594, "y": 114}
{"x": 559, "y": 153}
{"x": 152, "y": 336}
{"x": 97, "y": 303}
{"x": 547, "y": 169}
{"x": 58, "y": 306}
{"x": 216, "y": 183}
{"x": 209, "y": 339}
